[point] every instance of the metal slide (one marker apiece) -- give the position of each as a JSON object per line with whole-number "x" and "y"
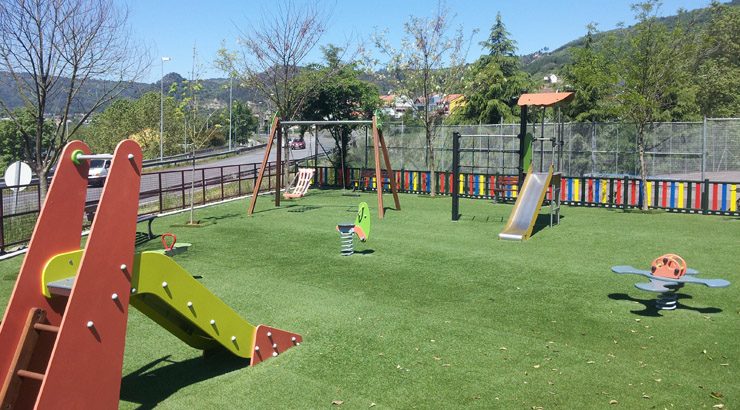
{"x": 527, "y": 206}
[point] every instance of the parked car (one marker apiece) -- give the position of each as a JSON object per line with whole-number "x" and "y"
{"x": 298, "y": 143}
{"x": 98, "y": 172}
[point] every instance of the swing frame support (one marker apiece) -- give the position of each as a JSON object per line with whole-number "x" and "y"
{"x": 379, "y": 147}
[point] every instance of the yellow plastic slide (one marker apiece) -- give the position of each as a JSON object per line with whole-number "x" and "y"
{"x": 527, "y": 206}
{"x": 169, "y": 295}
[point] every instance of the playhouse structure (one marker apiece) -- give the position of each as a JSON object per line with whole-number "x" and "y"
{"x": 64, "y": 329}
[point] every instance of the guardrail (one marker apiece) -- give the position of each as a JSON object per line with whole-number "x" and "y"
{"x": 160, "y": 191}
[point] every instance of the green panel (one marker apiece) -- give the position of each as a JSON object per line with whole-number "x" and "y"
{"x": 527, "y": 152}
{"x": 60, "y": 267}
{"x": 363, "y": 220}
{"x": 170, "y": 296}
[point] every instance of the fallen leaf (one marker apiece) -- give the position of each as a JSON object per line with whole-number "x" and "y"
{"x": 536, "y": 366}
{"x": 724, "y": 364}
{"x": 502, "y": 348}
{"x": 372, "y": 405}
{"x": 590, "y": 362}
{"x": 337, "y": 402}
{"x": 645, "y": 396}
{"x": 717, "y": 395}
{"x": 658, "y": 380}
{"x": 718, "y": 406}
{"x": 437, "y": 358}
{"x": 614, "y": 401}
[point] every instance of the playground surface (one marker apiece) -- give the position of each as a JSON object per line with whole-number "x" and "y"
{"x": 437, "y": 314}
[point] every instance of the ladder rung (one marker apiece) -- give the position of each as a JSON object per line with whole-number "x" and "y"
{"x": 30, "y": 375}
{"x": 46, "y": 328}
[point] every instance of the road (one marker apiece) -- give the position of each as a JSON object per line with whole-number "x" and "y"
{"x": 175, "y": 178}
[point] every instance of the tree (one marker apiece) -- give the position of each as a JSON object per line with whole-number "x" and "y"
{"x": 652, "y": 66}
{"x": 244, "y": 122}
{"x": 52, "y": 49}
{"x": 718, "y": 69}
{"x": 494, "y": 81}
{"x": 429, "y": 64}
{"x": 198, "y": 130}
{"x": 591, "y": 74}
{"x": 11, "y": 137}
{"x": 273, "y": 50}
{"x": 345, "y": 97}
{"x": 139, "y": 120}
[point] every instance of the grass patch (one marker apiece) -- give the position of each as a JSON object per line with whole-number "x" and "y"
{"x": 444, "y": 315}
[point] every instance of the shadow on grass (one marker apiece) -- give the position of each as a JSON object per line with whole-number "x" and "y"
{"x": 150, "y": 384}
{"x": 142, "y": 238}
{"x": 542, "y": 222}
{"x": 482, "y": 219}
{"x": 649, "y": 308}
{"x": 218, "y": 218}
{"x": 365, "y": 252}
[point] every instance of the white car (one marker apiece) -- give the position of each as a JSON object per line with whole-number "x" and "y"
{"x": 98, "y": 172}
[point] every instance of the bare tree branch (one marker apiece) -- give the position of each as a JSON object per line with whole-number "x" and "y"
{"x": 52, "y": 50}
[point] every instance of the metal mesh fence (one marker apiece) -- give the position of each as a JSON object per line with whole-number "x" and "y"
{"x": 687, "y": 150}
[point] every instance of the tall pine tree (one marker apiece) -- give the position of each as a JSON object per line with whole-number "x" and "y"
{"x": 494, "y": 81}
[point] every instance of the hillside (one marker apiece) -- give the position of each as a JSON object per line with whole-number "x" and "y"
{"x": 540, "y": 63}
{"x": 537, "y": 64}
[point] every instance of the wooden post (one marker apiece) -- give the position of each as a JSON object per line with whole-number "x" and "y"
{"x": 279, "y": 165}
{"x": 258, "y": 183}
{"x": 378, "y": 181}
{"x": 389, "y": 170}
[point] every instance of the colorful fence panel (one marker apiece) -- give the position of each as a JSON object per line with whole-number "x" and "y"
{"x": 676, "y": 196}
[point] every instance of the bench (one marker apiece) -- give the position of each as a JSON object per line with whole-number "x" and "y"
{"x": 366, "y": 176}
{"x": 503, "y": 185}
{"x": 90, "y": 210}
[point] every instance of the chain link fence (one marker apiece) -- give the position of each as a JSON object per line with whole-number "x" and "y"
{"x": 675, "y": 150}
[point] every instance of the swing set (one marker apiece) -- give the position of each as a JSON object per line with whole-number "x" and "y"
{"x": 305, "y": 175}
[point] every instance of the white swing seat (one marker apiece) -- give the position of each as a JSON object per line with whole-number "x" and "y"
{"x": 303, "y": 180}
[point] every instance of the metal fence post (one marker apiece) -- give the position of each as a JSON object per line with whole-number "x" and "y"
{"x": 222, "y": 183}
{"x": 455, "y": 176}
{"x": 704, "y": 147}
{"x": 161, "y": 199}
{"x": 182, "y": 187}
{"x": 705, "y": 197}
{"x": 2, "y": 223}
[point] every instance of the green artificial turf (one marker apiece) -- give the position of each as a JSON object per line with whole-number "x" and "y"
{"x": 441, "y": 314}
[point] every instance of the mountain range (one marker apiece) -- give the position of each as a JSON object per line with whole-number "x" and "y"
{"x": 216, "y": 90}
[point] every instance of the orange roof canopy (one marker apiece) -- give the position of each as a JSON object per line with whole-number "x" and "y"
{"x": 544, "y": 99}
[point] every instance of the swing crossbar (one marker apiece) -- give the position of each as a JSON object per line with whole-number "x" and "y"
{"x": 338, "y": 122}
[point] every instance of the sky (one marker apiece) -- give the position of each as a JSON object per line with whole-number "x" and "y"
{"x": 173, "y": 28}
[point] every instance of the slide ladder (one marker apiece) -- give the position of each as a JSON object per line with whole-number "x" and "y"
{"x": 63, "y": 333}
{"x": 527, "y": 206}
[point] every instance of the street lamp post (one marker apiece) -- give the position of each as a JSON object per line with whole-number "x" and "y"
{"x": 231, "y": 104}
{"x": 161, "y": 111}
